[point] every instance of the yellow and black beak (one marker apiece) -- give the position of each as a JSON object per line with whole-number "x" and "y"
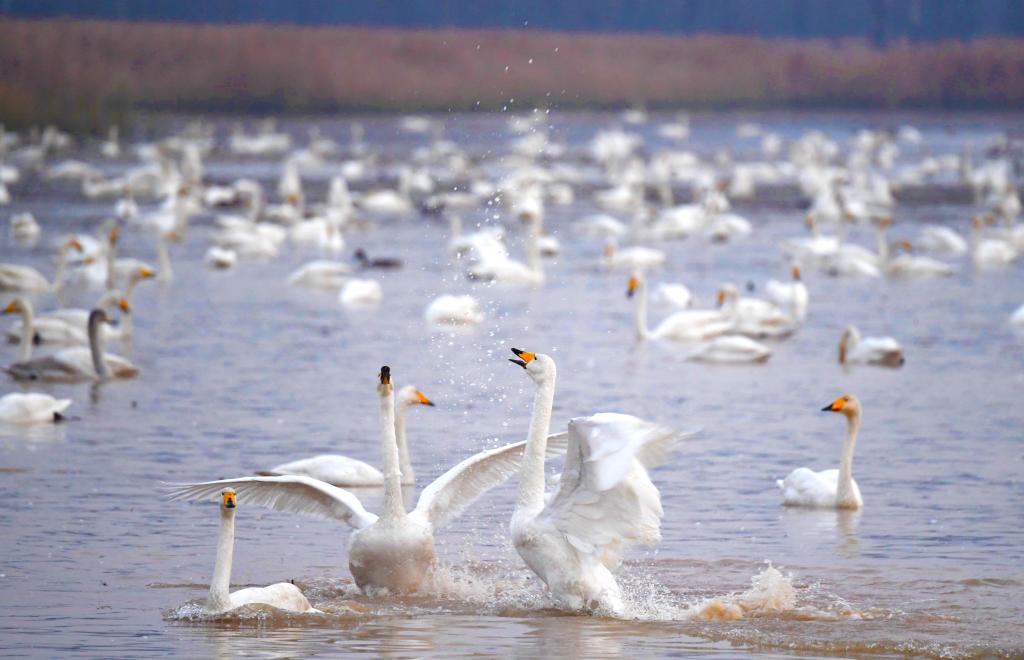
{"x": 228, "y": 499}
{"x": 114, "y": 234}
{"x": 385, "y": 375}
{"x": 11, "y": 307}
{"x": 422, "y": 398}
{"x": 632, "y": 286}
{"x": 525, "y": 357}
{"x": 145, "y": 272}
{"x": 124, "y": 306}
{"x": 74, "y": 242}
{"x": 835, "y": 406}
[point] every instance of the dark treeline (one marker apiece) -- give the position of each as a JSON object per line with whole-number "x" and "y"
{"x": 879, "y": 21}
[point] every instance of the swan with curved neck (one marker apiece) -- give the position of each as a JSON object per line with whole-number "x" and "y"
{"x": 686, "y": 325}
{"x": 880, "y": 351}
{"x": 15, "y": 277}
{"x": 283, "y": 595}
{"x": 64, "y": 326}
{"x": 498, "y": 267}
{"x": 605, "y": 498}
{"x": 395, "y": 551}
{"x": 832, "y": 489}
{"x": 344, "y": 471}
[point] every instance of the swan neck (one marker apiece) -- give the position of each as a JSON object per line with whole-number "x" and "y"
{"x": 533, "y": 259}
{"x": 220, "y": 586}
{"x": 164, "y": 259}
{"x": 404, "y": 462}
{"x": 99, "y": 363}
{"x": 642, "y": 331}
{"x": 883, "y": 246}
{"x": 530, "y": 498}
{"x": 28, "y": 332}
{"x": 111, "y": 253}
{"x": 62, "y": 264}
{"x": 394, "y": 509}
{"x": 845, "y": 486}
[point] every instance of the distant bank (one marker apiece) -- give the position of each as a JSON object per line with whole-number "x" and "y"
{"x": 86, "y": 74}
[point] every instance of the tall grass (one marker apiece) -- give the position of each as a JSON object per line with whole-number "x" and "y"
{"x": 87, "y": 73}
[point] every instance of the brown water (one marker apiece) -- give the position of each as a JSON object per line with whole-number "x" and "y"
{"x": 241, "y": 372}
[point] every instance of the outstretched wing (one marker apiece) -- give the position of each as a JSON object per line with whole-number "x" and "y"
{"x": 605, "y": 498}
{"x": 296, "y": 494}
{"x": 451, "y": 493}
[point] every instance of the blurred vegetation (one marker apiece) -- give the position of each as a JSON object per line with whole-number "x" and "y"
{"x": 85, "y": 75}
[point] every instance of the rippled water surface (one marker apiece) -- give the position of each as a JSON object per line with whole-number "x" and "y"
{"x": 241, "y": 372}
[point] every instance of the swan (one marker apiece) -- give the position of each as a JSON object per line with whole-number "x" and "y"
{"x": 600, "y": 225}
{"x": 15, "y": 277}
{"x": 357, "y": 292}
{"x": 487, "y": 243}
{"x": 68, "y": 326}
{"x": 339, "y": 470}
{"x": 634, "y": 257}
{"x": 828, "y": 489}
{"x": 815, "y": 248}
{"x": 676, "y": 295}
{"x": 941, "y": 240}
{"x": 731, "y": 349}
{"x": 791, "y": 296}
{"x": 77, "y": 363}
{"x": 753, "y": 316}
{"x": 283, "y": 595}
{"x": 392, "y": 552}
{"x": 31, "y": 408}
{"x": 220, "y": 258}
{"x": 503, "y": 269}
{"x": 320, "y": 274}
{"x": 688, "y": 325}
{"x": 454, "y": 310}
{"x": 881, "y": 351}
{"x": 604, "y": 500}
{"x": 24, "y": 228}
{"x": 908, "y": 265}
{"x": 989, "y": 252}
{"x": 726, "y": 226}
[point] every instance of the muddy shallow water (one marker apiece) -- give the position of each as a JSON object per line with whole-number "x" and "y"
{"x": 241, "y": 372}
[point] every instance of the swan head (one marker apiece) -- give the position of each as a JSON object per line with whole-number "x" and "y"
{"x": 385, "y": 387}
{"x": 850, "y": 334}
{"x": 16, "y": 306}
{"x": 635, "y": 282}
{"x": 540, "y": 367}
{"x": 73, "y": 243}
{"x": 796, "y": 272}
{"x": 905, "y": 245}
{"x": 727, "y": 292}
{"x": 847, "y": 404}
{"x": 227, "y": 498}
{"x": 810, "y": 221}
{"x": 884, "y": 223}
{"x": 411, "y": 396}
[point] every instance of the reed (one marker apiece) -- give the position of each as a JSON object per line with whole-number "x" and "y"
{"x": 85, "y": 74}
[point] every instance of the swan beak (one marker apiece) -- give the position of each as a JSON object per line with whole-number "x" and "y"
{"x": 228, "y": 499}
{"x": 631, "y": 288}
{"x": 11, "y": 308}
{"x": 114, "y": 235}
{"x": 146, "y": 272}
{"x": 720, "y": 298}
{"x": 422, "y": 398}
{"x": 525, "y": 355}
{"x": 123, "y": 305}
{"x": 385, "y": 375}
{"x": 173, "y": 236}
{"x": 835, "y": 406}
{"x": 75, "y": 244}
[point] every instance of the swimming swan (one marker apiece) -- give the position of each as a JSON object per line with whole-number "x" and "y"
{"x": 604, "y": 501}
{"x": 283, "y": 595}
{"x": 15, "y": 277}
{"x": 344, "y": 471}
{"x": 31, "y": 408}
{"x": 881, "y": 351}
{"x": 395, "y": 551}
{"x": 688, "y": 325}
{"x": 830, "y": 489}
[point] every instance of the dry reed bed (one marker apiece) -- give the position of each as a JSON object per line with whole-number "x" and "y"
{"x": 86, "y": 73}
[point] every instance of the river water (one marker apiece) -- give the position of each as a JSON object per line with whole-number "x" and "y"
{"x": 241, "y": 372}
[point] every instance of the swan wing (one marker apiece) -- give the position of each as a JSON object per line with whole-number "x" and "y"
{"x": 295, "y": 494}
{"x": 605, "y": 498}
{"x": 451, "y": 493}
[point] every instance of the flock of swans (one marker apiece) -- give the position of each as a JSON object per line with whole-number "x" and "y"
{"x": 604, "y": 501}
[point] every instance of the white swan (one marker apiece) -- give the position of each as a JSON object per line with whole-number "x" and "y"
{"x": 358, "y": 293}
{"x": 321, "y": 274}
{"x": 504, "y": 269}
{"x": 344, "y": 471}
{"x": 752, "y": 316}
{"x": 65, "y": 326}
{"x": 989, "y": 252}
{"x": 605, "y": 500}
{"x": 815, "y": 248}
{"x": 31, "y": 408}
{"x": 395, "y": 551}
{"x": 77, "y": 363}
{"x": 454, "y": 310}
{"x": 909, "y": 265}
{"x": 220, "y": 258}
{"x": 1017, "y": 318}
{"x": 731, "y": 349}
{"x": 283, "y": 595}
{"x": 881, "y": 351}
{"x": 831, "y": 489}
{"x": 676, "y": 295}
{"x": 24, "y": 228}
{"x": 939, "y": 239}
{"x": 688, "y": 325}
{"x": 633, "y": 257}
{"x": 15, "y": 277}
{"x": 790, "y": 296}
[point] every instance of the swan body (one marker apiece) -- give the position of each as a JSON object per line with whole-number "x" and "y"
{"x": 753, "y": 316}
{"x": 941, "y": 240}
{"x": 392, "y": 552}
{"x": 220, "y": 258}
{"x": 15, "y": 277}
{"x": 600, "y": 225}
{"x": 677, "y": 295}
{"x": 604, "y": 501}
{"x": 847, "y": 264}
{"x": 485, "y": 244}
{"x": 828, "y": 489}
{"x": 344, "y": 471}
{"x": 989, "y": 252}
{"x": 454, "y": 310}
{"x": 24, "y": 228}
{"x": 687, "y": 325}
{"x": 283, "y": 595}
{"x": 732, "y": 349}
{"x": 509, "y": 271}
{"x": 385, "y": 202}
{"x": 31, "y": 408}
{"x": 65, "y": 326}
{"x": 1017, "y": 318}
{"x": 880, "y": 351}
{"x": 790, "y": 296}
{"x": 727, "y": 226}
{"x": 908, "y": 265}
{"x": 358, "y": 292}
{"x": 634, "y": 257}
{"x": 321, "y": 274}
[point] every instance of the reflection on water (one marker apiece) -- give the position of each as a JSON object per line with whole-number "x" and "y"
{"x": 241, "y": 372}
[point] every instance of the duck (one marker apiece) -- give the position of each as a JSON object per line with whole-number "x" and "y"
{"x": 687, "y": 325}
{"x": 394, "y": 552}
{"x": 878, "y": 351}
{"x": 347, "y": 472}
{"x": 380, "y": 263}
{"x": 604, "y": 500}
{"x": 454, "y": 310}
{"x": 829, "y": 489}
{"x": 77, "y": 363}
{"x": 19, "y": 278}
{"x": 283, "y": 595}
{"x": 32, "y": 408}
{"x": 790, "y": 296}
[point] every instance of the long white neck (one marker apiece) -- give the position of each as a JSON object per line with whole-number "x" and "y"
{"x": 642, "y": 331}
{"x": 28, "y": 332}
{"x": 220, "y": 586}
{"x": 99, "y": 363}
{"x": 165, "y": 273}
{"x": 394, "y": 509}
{"x": 883, "y": 245}
{"x": 62, "y": 263}
{"x": 455, "y": 227}
{"x": 404, "y": 462}
{"x": 533, "y": 259}
{"x": 844, "y": 492}
{"x": 111, "y": 252}
{"x": 530, "y": 498}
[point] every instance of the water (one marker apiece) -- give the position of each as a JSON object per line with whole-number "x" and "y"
{"x": 240, "y": 372}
